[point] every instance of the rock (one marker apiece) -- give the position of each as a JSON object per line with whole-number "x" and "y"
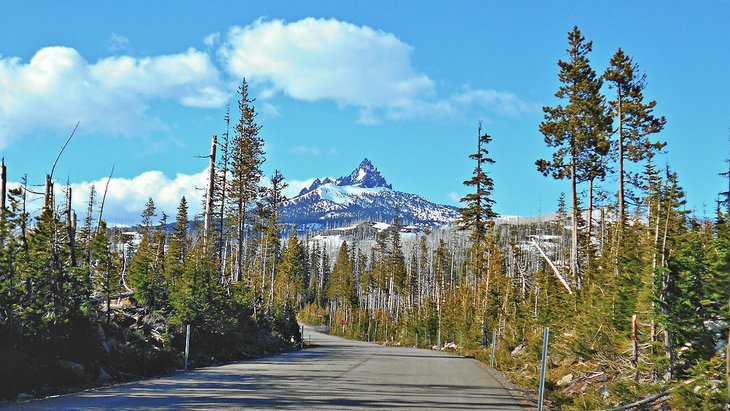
{"x": 517, "y": 349}
{"x": 24, "y": 397}
{"x": 567, "y": 378}
{"x": 604, "y": 393}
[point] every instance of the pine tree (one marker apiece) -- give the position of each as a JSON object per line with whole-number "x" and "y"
{"x": 671, "y": 303}
{"x": 247, "y": 156}
{"x": 577, "y": 130}
{"x": 477, "y": 213}
{"x": 635, "y": 119}
{"x": 177, "y": 250}
{"x": 11, "y": 254}
{"x": 144, "y": 275}
{"x": 396, "y": 259}
{"x": 292, "y": 271}
{"x": 341, "y": 287}
{"x": 104, "y": 270}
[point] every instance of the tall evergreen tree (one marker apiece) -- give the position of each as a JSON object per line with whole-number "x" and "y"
{"x": 144, "y": 275}
{"x": 578, "y": 130}
{"x": 177, "y": 249}
{"x": 635, "y": 118}
{"x": 105, "y": 273}
{"x": 247, "y": 156}
{"x": 477, "y": 213}
{"x": 292, "y": 271}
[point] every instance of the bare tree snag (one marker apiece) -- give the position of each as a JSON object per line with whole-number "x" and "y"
{"x": 70, "y": 227}
{"x": 63, "y": 148}
{"x": 103, "y": 198}
{"x": 207, "y": 217}
{"x": 3, "y": 184}
{"x": 555, "y": 269}
{"x": 48, "y": 194}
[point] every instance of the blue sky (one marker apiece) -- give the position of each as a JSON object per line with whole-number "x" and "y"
{"x": 397, "y": 82}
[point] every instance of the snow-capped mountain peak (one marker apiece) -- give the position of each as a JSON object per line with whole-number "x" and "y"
{"x": 366, "y": 176}
{"x": 362, "y": 195}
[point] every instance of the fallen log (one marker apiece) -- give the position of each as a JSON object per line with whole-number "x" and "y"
{"x": 641, "y": 402}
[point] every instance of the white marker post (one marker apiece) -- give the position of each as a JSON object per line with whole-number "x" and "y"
{"x": 541, "y": 394}
{"x": 494, "y": 344}
{"x": 187, "y": 346}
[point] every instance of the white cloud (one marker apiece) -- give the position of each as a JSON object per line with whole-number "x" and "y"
{"x": 505, "y": 103}
{"x": 58, "y": 87}
{"x": 270, "y": 110}
{"x": 454, "y": 196}
{"x": 119, "y": 44}
{"x": 295, "y": 186}
{"x": 326, "y": 59}
{"x": 354, "y": 66}
{"x": 306, "y": 150}
{"x": 212, "y": 39}
{"x": 127, "y": 197}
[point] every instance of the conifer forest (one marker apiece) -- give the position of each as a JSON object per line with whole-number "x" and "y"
{"x": 633, "y": 287}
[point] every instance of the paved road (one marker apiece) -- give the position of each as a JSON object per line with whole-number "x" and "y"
{"x": 333, "y": 374}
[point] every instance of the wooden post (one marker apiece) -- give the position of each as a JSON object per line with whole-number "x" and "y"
{"x": 187, "y": 346}
{"x": 494, "y": 345}
{"x": 543, "y": 367}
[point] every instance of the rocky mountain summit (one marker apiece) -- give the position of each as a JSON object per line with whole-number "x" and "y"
{"x": 362, "y": 195}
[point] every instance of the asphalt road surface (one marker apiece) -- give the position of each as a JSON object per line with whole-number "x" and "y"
{"x": 332, "y": 374}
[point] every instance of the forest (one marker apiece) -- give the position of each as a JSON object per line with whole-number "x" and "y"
{"x": 633, "y": 287}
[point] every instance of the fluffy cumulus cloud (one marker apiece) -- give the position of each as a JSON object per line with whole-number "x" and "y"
{"x": 58, "y": 87}
{"x": 295, "y": 186}
{"x": 127, "y": 197}
{"x": 315, "y": 59}
{"x": 327, "y": 59}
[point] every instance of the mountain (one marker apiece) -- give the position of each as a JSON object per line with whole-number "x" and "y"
{"x": 363, "y": 195}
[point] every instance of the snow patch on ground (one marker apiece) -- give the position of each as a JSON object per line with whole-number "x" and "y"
{"x": 381, "y": 226}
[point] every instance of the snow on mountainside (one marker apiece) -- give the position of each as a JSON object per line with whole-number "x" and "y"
{"x": 362, "y": 195}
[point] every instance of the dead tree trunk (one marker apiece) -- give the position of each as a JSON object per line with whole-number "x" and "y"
{"x": 589, "y": 243}
{"x": 70, "y": 228}
{"x": 103, "y": 198}
{"x": 574, "y": 270}
{"x": 3, "y": 184}
{"x": 48, "y": 194}
{"x": 207, "y": 217}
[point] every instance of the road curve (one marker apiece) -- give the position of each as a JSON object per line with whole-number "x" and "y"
{"x": 332, "y": 374}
